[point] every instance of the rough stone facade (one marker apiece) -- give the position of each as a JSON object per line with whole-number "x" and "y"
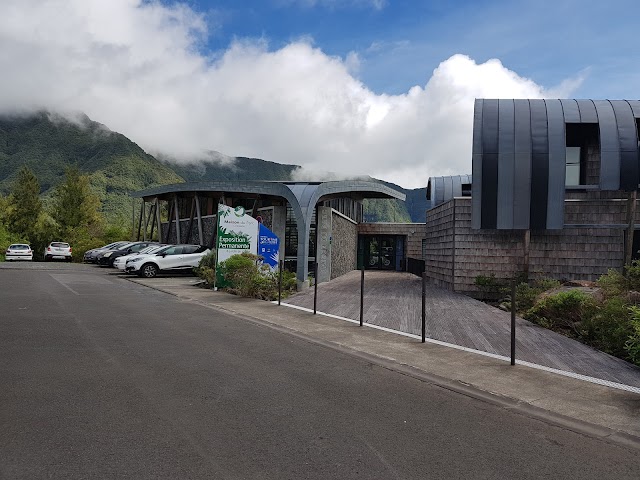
{"x": 591, "y": 243}
{"x": 344, "y": 245}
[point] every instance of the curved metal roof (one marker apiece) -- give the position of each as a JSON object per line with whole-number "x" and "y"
{"x": 519, "y": 157}
{"x": 443, "y": 189}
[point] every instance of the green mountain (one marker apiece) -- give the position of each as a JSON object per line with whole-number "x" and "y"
{"x": 240, "y": 168}
{"x": 49, "y": 143}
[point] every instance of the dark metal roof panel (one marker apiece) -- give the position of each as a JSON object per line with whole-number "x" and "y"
{"x": 609, "y": 146}
{"x": 628, "y": 138}
{"x": 635, "y": 107}
{"x": 571, "y": 111}
{"x": 588, "y": 112}
{"x": 539, "y": 164}
{"x": 557, "y": 164}
{"x": 476, "y": 190}
{"x": 506, "y": 160}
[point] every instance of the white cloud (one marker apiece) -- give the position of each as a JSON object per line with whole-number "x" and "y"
{"x": 134, "y": 66}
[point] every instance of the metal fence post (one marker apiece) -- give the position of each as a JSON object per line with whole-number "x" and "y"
{"x": 361, "y": 294}
{"x": 513, "y": 322}
{"x": 424, "y": 306}
{"x": 315, "y": 287}
{"x": 280, "y": 282}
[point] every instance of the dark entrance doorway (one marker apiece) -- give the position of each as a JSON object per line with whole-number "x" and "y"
{"x": 381, "y": 252}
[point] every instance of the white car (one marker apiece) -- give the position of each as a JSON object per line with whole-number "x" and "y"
{"x": 121, "y": 262}
{"x": 61, "y": 250}
{"x": 18, "y": 251}
{"x": 169, "y": 258}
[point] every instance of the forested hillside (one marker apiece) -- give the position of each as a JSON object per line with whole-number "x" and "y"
{"x": 48, "y": 144}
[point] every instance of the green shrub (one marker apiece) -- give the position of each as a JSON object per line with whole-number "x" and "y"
{"x": 613, "y": 284}
{"x": 609, "y": 328}
{"x": 632, "y": 345}
{"x": 247, "y": 277}
{"x": 206, "y": 268}
{"x": 527, "y": 293}
{"x": 564, "y": 311}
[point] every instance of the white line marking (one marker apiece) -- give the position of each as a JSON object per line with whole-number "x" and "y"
{"x": 65, "y": 286}
{"x": 586, "y": 378}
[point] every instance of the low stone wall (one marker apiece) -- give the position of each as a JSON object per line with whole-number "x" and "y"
{"x": 344, "y": 245}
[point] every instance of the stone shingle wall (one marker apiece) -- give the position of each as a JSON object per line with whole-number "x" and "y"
{"x": 344, "y": 245}
{"x": 439, "y": 245}
{"x": 483, "y": 252}
{"x": 582, "y": 250}
{"x": 575, "y": 253}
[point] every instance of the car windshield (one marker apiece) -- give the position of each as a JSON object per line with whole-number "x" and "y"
{"x": 164, "y": 248}
{"x": 19, "y": 247}
{"x": 151, "y": 248}
{"x": 59, "y": 245}
{"x": 124, "y": 246}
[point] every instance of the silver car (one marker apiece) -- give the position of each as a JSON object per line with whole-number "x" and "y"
{"x": 18, "y": 251}
{"x": 59, "y": 250}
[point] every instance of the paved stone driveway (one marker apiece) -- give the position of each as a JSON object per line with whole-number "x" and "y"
{"x": 392, "y": 300}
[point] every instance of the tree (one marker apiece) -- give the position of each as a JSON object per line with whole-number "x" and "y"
{"x": 75, "y": 206}
{"x": 24, "y": 205}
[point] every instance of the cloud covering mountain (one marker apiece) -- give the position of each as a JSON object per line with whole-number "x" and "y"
{"x": 139, "y": 67}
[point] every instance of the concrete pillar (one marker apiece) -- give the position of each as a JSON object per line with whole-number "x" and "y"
{"x": 278, "y": 226}
{"x": 324, "y": 244}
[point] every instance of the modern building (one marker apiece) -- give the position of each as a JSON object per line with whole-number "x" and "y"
{"x": 322, "y": 218}
{"x": 553, "y": 194}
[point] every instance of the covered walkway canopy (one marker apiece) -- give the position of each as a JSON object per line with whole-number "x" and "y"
{"x": 302, "y": 197}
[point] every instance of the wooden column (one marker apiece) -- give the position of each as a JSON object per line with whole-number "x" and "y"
{"x": 140, "y": 220}
{"x": 143, "y": 212}
{"x": 177, "y": 213}
{"x": 159, "y": 220}
{"x": 199, "y": 214}
{"x": 190, "y": 228}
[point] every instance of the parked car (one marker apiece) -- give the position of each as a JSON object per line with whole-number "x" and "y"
{"x": 171, "y": 258}
{"x": 121, "y": 262}
{"x": 106, "y": 257}
{"x": 60, "y": 250}
{"x": 18, "y": 251}
{"x": 90, "y": 255}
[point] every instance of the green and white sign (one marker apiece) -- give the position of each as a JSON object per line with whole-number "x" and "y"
{"x": 238, "y": 233}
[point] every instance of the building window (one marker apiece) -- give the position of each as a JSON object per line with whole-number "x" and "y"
{"x": 572, "y": 177}
{"x": 582, "y": 154}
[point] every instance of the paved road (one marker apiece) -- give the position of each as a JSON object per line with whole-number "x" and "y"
{"x": 102, "y": 378}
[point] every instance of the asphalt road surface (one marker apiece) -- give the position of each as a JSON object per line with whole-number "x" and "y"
{"x": 103, "y": 378}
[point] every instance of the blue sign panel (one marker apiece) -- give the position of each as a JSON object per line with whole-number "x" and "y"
{"x": 268, "y": 247}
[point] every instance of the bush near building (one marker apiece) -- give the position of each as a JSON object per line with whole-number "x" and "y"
{"x": 247, "y": 276}
{"x": 608, "y": 320}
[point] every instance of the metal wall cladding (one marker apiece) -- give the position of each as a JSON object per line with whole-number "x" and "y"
{"x": 519, "y": 157}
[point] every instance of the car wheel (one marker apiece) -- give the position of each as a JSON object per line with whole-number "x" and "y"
{"x": 69, "y": 259}
{"x": 47, "y": 258}
{"x": 148, "y": 270}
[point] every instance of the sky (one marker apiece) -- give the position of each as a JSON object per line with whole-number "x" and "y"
{"x": 341, "y": 87}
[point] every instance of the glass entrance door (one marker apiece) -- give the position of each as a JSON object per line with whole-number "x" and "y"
{"x": 387, "y": 253}
{"x": 380, "y": 252}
